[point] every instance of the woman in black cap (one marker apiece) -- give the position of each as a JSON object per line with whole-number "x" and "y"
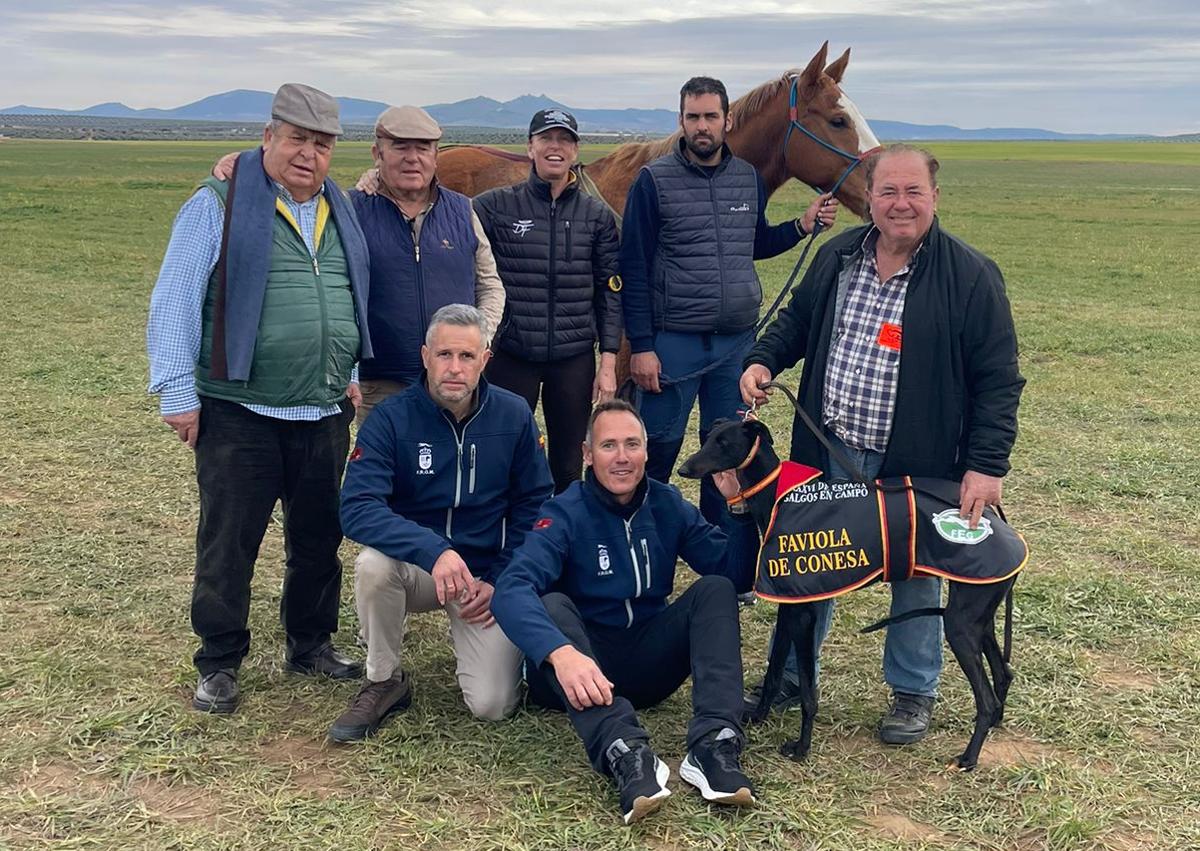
{"x": 556, "y": 252}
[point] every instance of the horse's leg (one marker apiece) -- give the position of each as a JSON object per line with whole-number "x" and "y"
{"x": 773, "y": 679}
{"x": 804, "y": 640}
{"x": 964, "y": 632}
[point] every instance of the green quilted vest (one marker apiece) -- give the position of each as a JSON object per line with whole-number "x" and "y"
{"x": 307, "y": 341}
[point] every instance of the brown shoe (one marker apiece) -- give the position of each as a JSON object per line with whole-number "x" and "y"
{"x": 374, "y": 704}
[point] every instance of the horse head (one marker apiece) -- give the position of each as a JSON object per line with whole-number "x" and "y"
{"x": 815, "y": 131}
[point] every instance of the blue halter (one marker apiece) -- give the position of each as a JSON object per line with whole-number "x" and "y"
{"x": 794, "y": 124}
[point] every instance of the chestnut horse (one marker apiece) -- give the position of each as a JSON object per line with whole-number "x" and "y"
{"x": 761, "y": 119}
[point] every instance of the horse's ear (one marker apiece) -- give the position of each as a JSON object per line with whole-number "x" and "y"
{"x": 838, "y": 67}
{"x": 812, "y": 73}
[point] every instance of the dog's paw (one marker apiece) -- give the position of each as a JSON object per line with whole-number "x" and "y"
{"x": 794, "y": 751}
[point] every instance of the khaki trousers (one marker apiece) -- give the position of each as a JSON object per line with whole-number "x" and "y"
{"x": 387, "y": 590}
{"x": 374, "y": 391}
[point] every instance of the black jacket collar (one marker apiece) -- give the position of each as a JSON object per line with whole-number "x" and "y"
{"x": 681, "y": 154}
{"x": 541, "y": 188}
{"x": 609, "y": 502}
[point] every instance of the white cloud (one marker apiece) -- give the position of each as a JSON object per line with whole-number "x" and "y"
{"x": 963, "y": 62}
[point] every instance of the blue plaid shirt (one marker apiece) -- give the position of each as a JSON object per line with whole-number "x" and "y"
{"x": 859, "y": 398}
{"x": 174, "y": 329}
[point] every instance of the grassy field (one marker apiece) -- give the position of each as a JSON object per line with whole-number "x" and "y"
{"x": 99, "y": 749}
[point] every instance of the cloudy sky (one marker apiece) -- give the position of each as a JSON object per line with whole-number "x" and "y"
{"x": 1071, "y": 65}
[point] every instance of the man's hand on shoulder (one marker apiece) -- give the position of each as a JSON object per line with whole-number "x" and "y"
{"x": 644, "y": 367}
{"x": 223, "y": 170}
{"x": 978, "y": 490}
{"x": 186, "y": 425}
{"x": 477, "y": 607}
{"x": 368, "y": 183}
{"x": 451, "y": 577}
{"x": 581, "y": 679}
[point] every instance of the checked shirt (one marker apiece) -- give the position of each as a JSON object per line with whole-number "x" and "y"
{"x": 859, "y": 397}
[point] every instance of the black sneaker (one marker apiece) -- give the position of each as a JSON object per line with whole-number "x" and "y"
{"x": 788, "y": 697}
{"x": 641, "y": 778}
{"x": 908, "y": 720}
{"x": 712, "y": 766}
{"x": 217, "y": 692}
{"x": 374, "y": 704}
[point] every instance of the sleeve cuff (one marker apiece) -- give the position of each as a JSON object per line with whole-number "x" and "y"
{"x": 641, "y": 344}
{"x": 178, "y": 400}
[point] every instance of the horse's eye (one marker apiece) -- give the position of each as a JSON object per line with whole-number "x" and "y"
{"x": 839, "y": 122}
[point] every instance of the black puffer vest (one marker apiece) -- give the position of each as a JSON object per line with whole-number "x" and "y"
{"x": 704, "y": 278}
{"x": 555, "y": 257}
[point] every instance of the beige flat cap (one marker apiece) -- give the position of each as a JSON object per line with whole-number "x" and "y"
{"x": 407, "y": 122}
{"x": 306, "y": 107}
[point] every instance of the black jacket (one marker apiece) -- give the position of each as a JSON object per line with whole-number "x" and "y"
{"x": 558, "y": 261}
{"x": 959, "y": 386}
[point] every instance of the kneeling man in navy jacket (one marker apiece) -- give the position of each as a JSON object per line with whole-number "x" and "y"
{"x": 585, "y": 598}
{"x": 444, "y": 483}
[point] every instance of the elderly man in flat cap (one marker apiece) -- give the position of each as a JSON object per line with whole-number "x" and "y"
{"x": 427, "y": 247}
{"x": 256, "y": 325}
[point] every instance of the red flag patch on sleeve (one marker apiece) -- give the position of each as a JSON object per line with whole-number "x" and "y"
{"x": 542, "y": 523}
{"x": 356, "y": 454}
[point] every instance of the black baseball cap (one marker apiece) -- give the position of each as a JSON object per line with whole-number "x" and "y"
{"x": 548, "y": 119}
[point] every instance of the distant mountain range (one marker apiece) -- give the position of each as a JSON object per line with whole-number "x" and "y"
{"x": 252, "y": 106}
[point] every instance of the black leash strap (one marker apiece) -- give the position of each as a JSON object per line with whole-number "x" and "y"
{"x": 834, "y": 453}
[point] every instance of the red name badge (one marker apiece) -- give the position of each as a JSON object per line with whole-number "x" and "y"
{"x": 889, "y": 336}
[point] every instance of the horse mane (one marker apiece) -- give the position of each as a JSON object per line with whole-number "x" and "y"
{"x": 634, "y": 154}
{"x": 755, "y": 100}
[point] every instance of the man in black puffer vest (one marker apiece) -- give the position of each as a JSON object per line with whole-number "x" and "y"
{"x": 556, "y": 251}
{"x": 695, "y": 222}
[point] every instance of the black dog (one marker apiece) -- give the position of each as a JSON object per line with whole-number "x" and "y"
{"x": 969, "y": 615}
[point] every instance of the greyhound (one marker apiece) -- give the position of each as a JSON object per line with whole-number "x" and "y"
{"x": 969, "y": 614}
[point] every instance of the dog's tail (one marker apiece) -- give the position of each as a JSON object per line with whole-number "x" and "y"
{"x": 901, "y": 618}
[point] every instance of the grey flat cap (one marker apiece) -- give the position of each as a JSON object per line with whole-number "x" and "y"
{"x": 306, "y": 107}
{"x": 407, "y": 122}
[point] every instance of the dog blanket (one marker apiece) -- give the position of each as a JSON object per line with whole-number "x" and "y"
{"x": 826, "y": 539}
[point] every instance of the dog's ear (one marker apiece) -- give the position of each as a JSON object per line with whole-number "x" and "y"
{"x": 758, "y": 428}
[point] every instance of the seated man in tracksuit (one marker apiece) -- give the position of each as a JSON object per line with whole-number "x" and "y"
{"x": 585, "y": 598}
{"x": 444, "y": 482}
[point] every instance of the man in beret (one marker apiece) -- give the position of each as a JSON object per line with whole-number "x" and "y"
{"x": 256, "y": 326}
{"x": 428, "y": 250}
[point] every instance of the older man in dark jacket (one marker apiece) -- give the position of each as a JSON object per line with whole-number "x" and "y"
{"x": 910, "y": 365}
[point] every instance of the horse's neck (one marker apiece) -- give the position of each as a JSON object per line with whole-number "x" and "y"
{"x": 758, "y": 140}
{"x": 614, "y": 175}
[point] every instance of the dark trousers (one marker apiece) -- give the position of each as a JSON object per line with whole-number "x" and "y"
{"x": 698, "y": 635}
{"x": 566, "y": 390}
{"x": 244, "y": 463}
{"x": 666, "y": 414}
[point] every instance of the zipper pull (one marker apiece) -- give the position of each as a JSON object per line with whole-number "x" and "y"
{"x": 417, "y": 252}
{"x": 316, "y": 267}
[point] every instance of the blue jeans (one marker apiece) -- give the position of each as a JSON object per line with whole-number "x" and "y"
{"x": 912, "y": 651}
{"x": 666, "y": 414}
